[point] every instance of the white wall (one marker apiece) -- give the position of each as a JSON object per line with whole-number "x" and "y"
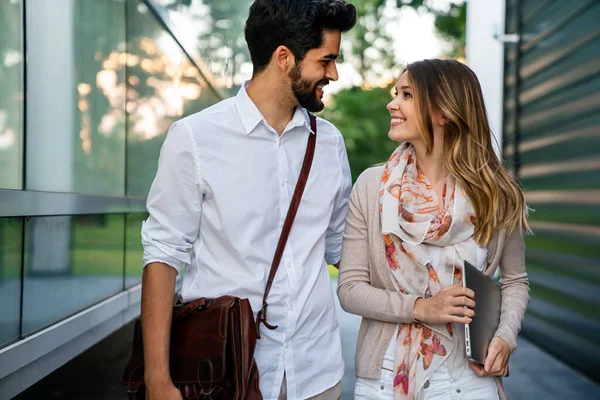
{"x": 485, "y": 55}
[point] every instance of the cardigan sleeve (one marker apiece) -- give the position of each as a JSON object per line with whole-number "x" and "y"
{"x": 514, "y": 287}
{"x": 356, "y": 293}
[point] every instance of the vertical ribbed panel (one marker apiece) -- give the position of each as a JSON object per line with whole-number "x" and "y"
{"x": 552, "y": 129}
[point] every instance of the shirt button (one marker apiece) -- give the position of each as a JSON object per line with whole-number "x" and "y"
{"x": 382, "y": 387}
{"x": 457, "y": 390}
{"x": 426, "y": 385}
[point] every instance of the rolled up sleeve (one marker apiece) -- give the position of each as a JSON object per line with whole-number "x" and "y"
{"x": 335, "y": 230}
{"x": 174, "y": 201}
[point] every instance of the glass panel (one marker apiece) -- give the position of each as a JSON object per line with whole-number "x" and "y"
{"x": 212, "y": 32}
{"x": 76, "y": 102}
{"x": 133, "y": 249}
{"x": 71, "y": 263}
{"x": 163, "y": 86}
{"x": 11, "y": 58}
{"x": 10, "y": 278}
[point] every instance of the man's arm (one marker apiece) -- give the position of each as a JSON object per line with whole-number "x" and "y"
{"x": 335, "y": 230}
{"x": 175, "y": 205}
{"x": 158, "y": 284}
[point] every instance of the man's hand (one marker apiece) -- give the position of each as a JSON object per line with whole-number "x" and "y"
{"x": 451, "y": 304}
{"x": 163, "y": 392}
{"x": 496, "y": 361}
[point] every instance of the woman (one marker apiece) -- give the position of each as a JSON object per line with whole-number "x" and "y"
{"x": 443, "y": 198}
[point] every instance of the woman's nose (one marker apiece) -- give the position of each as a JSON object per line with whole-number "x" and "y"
{"x": 392, "y": 105}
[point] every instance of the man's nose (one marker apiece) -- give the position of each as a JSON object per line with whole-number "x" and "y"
{"x": 332, "y": 73}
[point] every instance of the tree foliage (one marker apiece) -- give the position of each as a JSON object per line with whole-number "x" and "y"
{"x": 364, "y": 121}
{"x": 371, "y": 43}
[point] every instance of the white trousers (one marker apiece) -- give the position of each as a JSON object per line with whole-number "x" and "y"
{"x": 440, "y": 386}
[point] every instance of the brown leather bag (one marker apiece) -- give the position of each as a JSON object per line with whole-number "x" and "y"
{"x": 213, "y": 340}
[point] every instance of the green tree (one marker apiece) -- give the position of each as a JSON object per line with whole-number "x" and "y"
{"x": 370, "y": 42}
{"x": 450, "y": 22}
{"x": 364, "y": 121}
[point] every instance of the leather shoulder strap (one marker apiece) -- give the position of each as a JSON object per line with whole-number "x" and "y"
{"x": 289, "y": 220}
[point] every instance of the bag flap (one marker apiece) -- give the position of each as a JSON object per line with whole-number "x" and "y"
{"x": 198, "y": 344}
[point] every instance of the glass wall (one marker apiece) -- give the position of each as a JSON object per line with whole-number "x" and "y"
{"x": 10, "y": 278}
{"x": 70, "y": 263}
{"x": 76, "y": 102}
{"x": 11, "y": 95}
{"x": 212, "y": 31}
{"x": 163, "y": 86}
{"x": 105, "y": 80}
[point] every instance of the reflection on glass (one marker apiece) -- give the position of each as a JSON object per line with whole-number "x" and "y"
{"x": 163, "y": 86}
{"x": 11, "y": 58}
{"x": 10, "y": 278}
{"x": 212, "y": 31}
{"x": 133, "y": 249}
{"x": 71, "y": 263}
{"x": 76, "y": 102}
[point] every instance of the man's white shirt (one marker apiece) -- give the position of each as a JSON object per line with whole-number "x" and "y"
{"x": 217, "y": 206}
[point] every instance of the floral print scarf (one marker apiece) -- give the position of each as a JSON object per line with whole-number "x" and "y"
{"x": 413, "y": 221}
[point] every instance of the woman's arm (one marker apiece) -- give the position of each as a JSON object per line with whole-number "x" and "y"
{"x": 514, "y": 286}
{"x": 357, "y": 295}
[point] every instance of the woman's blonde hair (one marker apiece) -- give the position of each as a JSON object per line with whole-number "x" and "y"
{"x": 452, "y": 89}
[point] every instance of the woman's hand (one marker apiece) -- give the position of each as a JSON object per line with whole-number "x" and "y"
{"x": 496, "y": 361}
{"x": 451, "y": 304}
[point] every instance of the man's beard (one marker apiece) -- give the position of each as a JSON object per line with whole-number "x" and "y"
{"x": 305, "y": 91}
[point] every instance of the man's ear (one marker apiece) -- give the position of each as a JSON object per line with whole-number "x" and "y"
{"x": 283, "y": 58}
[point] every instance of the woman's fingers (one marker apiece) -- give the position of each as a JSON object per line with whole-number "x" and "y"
{"x": 460, "y": 320}
{"x": 458, "y": 290}
{"x": 497, "y": 359}
{"x": 477, "y": 368}
{"x": 462, "y": 312}
{"x": 463, "y": 301}
{"x": 498, "y": 367}
{"x": 493, "y": 363}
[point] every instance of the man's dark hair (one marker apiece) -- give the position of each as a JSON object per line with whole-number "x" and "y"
{"x": 296, "y": 24}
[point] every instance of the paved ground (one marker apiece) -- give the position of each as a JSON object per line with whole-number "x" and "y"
{"x": 95, "y": 374}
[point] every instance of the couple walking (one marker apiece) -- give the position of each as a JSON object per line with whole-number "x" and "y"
{"x": 224, "y": 184}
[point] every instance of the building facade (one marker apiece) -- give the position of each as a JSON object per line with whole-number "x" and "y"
{"x": 548, "y": 94}
{"x": 88, "y": 90}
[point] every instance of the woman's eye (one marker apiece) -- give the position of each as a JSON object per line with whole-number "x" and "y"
{"x": 407, "y": 95}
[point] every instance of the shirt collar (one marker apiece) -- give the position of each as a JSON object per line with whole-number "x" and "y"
{"x": 251, "y": 116}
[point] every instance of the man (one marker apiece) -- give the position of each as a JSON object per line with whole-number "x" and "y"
{"x": 225, "y": 180}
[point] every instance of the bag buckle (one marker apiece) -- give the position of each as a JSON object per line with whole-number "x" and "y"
{"x": 205, "y": 305}
{"x": 261, "y": 317}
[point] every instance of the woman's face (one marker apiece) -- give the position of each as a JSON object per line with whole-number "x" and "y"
{"x": 403, "y": 125}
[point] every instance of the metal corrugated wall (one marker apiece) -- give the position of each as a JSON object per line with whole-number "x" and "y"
{"x": 552, "y": 144}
